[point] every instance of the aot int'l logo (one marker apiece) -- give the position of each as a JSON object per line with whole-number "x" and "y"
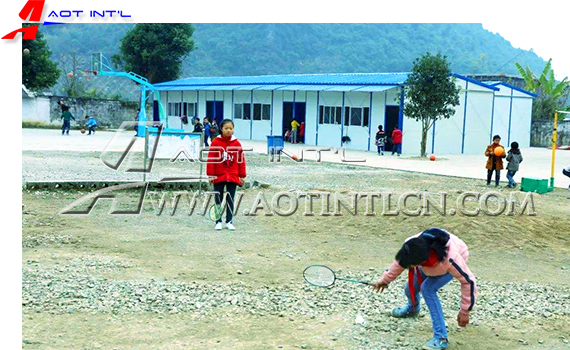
{"x": 33, "y": 9}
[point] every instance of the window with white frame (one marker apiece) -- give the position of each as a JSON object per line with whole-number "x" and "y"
{"x": 242, "y": 111}
{"x": 177, "y": 109}
{"x": 238, "y": 111}
{"x": 246, "y": 113}
{"x": 266, "y": 112}
{"x": 256, "y": 111}
{"x": 356, "y": 116}
{"x": 189, "y": 109}
{"x": 260, "y": 111}
{"x": 329, "y": 114}
{"x": 172, "y": 109}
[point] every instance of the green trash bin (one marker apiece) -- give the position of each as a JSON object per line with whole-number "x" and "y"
{"x": 531, "y": 184}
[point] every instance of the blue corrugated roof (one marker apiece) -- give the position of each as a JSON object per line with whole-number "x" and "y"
{"x": 475, "y": 81}
{"x": 299, "y": 79}
{"x": 495, "y": 83}
{"x": 314, "y": 82}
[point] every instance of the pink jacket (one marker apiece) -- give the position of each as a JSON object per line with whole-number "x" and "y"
{"x": 455, "y": 263}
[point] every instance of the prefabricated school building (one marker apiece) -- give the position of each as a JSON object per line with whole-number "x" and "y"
{"x": 333, "y": 106}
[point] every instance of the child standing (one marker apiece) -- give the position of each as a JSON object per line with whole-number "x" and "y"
{"x": 66, "y": 116}
{"x": 433, "y": 258}
{"x": 214, "y": 130}
{"x": 91, "y": 123}
{"x": 397, "y": 140}
{"x": 226, "y": 164}
{"x": 197, "y": 124}
{"x": 494, "y": 162}
{"x": 206, "y": 131}
{"x": 294, "y": 131}
{"x": 514, "y": 158}
{"x": 287, "y": 135}
{"x": 380, "y": 140}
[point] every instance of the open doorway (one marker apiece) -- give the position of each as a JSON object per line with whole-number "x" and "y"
{"x": 215, "y": 111}
{"x": 390, "y": 122}
{"x": 298, "y": 113}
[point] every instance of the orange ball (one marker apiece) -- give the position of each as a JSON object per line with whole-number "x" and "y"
{"x": 70, "y": 74}
{"x": 499, "y": 151}
{"x": 432, "y": 157}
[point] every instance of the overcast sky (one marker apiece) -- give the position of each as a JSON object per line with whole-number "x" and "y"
{"x": 548, "y": 40}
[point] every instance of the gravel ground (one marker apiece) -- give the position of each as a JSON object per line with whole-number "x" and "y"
{"x": 83, "y": 166}
{"x": 76, "y": 287}
{"x": 83, "y": 283}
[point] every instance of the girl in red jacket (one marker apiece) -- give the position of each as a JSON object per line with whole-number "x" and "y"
{"x": 227, "y": 169}
{"x": 433, "y": 258}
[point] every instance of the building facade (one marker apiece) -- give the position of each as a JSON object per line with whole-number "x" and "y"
{"x": 336, "y": 106}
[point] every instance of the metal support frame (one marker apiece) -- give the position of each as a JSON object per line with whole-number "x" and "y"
{"x": 510, "y": 113}
{"x": 318, "y": 117}
{"x": 492, "y": 119}
{"x": 251, "y": 117}
{"x": 401, "y": 117}
{"x": 369, "y": 121}
{"x": 464, "y": 119}
{"x": 342, "y": 116}
{"x": 433, "y": 138}
{"x": 100, "y": 65}
{"x": 182, "y": 109}
{"x": 233, "y": 104}
{"x": 271, "y": 113}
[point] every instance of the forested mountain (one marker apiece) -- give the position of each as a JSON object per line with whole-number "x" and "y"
{"x": 257, "y": 49}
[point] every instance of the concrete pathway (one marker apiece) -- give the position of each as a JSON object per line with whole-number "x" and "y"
{"x": 536, "y": 160}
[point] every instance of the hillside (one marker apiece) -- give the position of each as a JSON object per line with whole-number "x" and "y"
{"x": 257, "y": 49}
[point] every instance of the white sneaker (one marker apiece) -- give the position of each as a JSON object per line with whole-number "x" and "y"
{"x": 218, "y": 226}
{"x": 229, "y": 226}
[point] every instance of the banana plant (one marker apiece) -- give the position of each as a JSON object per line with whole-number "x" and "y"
{"x": 546, "y": 84}
{"x": 552, "y": 94}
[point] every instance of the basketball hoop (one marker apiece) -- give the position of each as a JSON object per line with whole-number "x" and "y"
{"x": 87, "y": 73}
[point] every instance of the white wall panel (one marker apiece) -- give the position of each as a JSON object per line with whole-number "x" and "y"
{"x": 521, "y": 121}
{"x": 478, "y": 121}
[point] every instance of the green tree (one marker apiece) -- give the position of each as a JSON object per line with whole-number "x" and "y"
{"x": 72, "y": 84}
{"x": 552, "y": 94}
{"x": 431, "y": 93}
{"x": 39, "y": 72}
{"x": 156, "y": 50}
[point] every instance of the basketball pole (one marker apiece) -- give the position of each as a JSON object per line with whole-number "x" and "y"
{"x": 554, "y": 141}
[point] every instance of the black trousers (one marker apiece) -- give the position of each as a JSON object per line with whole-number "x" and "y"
{"x": 230, "y": 187}
{"x": 65, "y": 127}
{"x": 490, "y": 174}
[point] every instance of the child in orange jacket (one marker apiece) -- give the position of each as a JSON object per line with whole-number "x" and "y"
{"x": 494, "y": 162}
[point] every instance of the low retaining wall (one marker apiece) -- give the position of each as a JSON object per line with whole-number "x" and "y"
{"x": 541, "y": 133}
{"x": 108, "y": 113}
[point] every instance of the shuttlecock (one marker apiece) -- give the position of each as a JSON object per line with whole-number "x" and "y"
{"x": 360, "y": 320}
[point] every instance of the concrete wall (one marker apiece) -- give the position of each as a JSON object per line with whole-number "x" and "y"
{"x": 108, "y": 113}
{"x": 36, "y": 109}
{"x": 542, "y": 133}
